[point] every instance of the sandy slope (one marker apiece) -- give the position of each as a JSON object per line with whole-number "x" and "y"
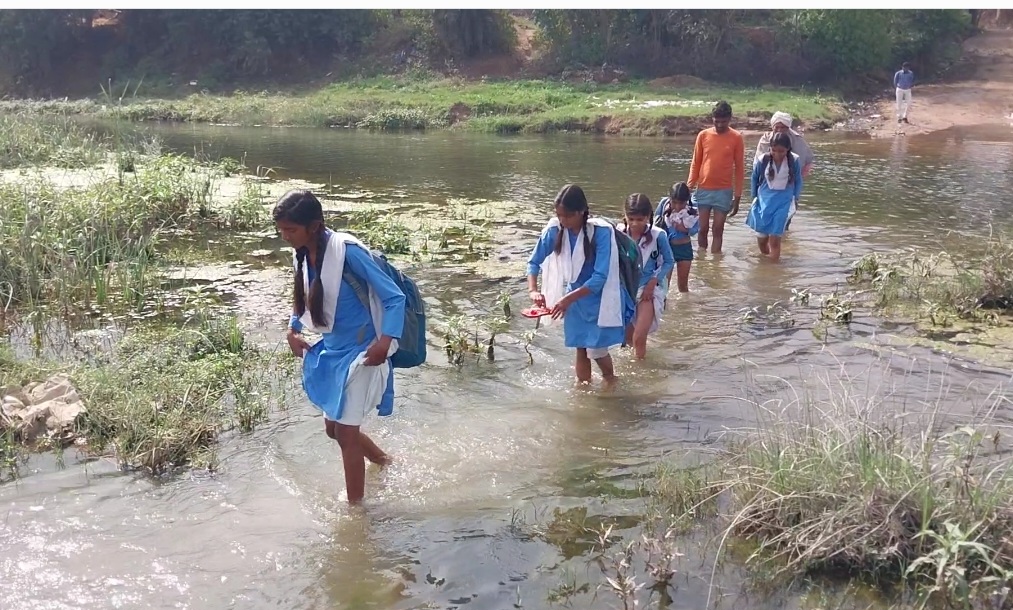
{"x": 979, "y": 91}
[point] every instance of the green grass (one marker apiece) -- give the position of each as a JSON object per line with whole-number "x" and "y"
{"x": 837, "y": 481}
{"x": 164, "y": 394}
{"x": 502, "y": 107}
{"x": 97, "y": 243}
{"x": 53, "y": 141}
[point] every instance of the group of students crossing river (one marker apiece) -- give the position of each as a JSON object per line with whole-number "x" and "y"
{"x": 608, "y": 282}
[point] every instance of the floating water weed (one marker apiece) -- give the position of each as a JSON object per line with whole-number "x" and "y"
{"x": 972, "y": 285}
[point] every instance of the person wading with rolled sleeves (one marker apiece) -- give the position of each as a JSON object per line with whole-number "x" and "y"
{"x": 716, "y": 174}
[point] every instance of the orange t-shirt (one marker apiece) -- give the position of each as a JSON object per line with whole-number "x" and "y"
{"x": 718, "y": 161}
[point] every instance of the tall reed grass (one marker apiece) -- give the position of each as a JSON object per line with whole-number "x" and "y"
{"x": 842, "y": 479}
{"x": 55, "y": 141}
{"x": 98, "y": 245}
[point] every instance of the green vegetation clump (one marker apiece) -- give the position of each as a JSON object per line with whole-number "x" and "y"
{"x": 52, "y": 141}
{"x": 162, "y": 395}
{"x": 834, "y": 483}
{"x": 94, "y": 240}
{"x": 973, "y": 285}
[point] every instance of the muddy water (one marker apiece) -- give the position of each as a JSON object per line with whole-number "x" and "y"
{"x": 486, "y": 453}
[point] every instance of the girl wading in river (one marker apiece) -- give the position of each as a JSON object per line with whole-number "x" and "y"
{"x": 681, "y": 222}
{"x": 775, "y": 186}
{"x": 348, "y": 373}
{"x": 781, "y": 123}
{"x": 658, "y": 263}
{"x": 579, "y": 263}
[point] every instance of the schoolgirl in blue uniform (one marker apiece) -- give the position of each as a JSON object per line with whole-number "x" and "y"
{"x": 656, "y": 254}
{"x": 776, "y": 186}
{"x": 347, "y": 374}
{"x": 579, "y": 264}
{"x": 681, "y": 223}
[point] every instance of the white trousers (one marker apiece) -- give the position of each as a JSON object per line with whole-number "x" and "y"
{"x": 903, "y": 102}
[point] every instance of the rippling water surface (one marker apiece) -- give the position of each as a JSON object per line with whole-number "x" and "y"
{"x": 488, "y": 451}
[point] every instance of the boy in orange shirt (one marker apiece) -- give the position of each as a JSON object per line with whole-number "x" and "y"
{"x": 716, "y": 174}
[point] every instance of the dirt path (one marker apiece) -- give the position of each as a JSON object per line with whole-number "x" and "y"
{"x": 978, "y": 92}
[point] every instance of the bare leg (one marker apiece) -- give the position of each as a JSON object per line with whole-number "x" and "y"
{"x": 608, "y": 372}
{"x": 775, "y": 248}
{"x": 705, "y": 227}
{"x": 683, "y": 269}
{"x": 764, "y": 244}
{"x": 629, "y": 334}
{"x": 354, "y": 461}
{"x": 719, "y": 231}
{"x": 583, "y": 366}
{"x": 371, "y": 451}
{"x": 645, "y": 317}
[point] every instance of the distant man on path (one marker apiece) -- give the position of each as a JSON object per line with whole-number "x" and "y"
{"x": 716, "y": 174}
{"x": 903, "y": 80}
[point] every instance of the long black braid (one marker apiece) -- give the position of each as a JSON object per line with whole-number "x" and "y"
{"x": 303, "y": 208}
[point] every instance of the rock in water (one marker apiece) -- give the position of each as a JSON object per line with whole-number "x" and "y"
{"x": 51, "y": 407}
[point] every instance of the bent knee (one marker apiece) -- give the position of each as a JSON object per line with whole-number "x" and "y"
{"x": 347, "y": 436}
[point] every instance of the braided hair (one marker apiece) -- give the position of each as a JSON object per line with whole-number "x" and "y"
{"x": 572, "y": 199}
{"x": 638, "y": 204}
{"x": 304, "y": 209}
{"x": 783, "y": 140}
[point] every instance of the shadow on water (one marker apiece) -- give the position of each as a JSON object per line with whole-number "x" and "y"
{"x": 502, "y": 469}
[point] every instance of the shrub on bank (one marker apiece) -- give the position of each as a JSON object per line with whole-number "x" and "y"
{"x": 162, "y": 396}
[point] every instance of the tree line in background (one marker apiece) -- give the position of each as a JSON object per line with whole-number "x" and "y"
{"x": 745, "y": 46}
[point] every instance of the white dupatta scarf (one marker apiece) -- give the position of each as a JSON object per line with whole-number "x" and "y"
{"x": 330, "y": 281}
{"x": 560, "y": 272}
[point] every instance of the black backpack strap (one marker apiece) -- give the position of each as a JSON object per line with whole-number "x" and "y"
{"x": 358, "y": 286}
{"x": 764, "y": 163}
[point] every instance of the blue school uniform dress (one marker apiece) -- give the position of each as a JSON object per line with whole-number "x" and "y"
{"x": 680, "y": 252}
{"x": 774, "y": 199}
{"x": 326, "y": 364}
{"x": 580, "y": 324}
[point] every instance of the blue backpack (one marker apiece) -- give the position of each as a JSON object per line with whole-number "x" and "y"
{"x": 631, "y": 263}
{"x": 411, "y": 349}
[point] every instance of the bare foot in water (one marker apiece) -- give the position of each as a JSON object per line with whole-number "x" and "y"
{"x": 382, "y": 463}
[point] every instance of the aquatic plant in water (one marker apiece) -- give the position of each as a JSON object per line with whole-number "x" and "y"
{"x": 834, "y": 481}
{"x": 98, "y": 245}
{"x": 974, "y": 284}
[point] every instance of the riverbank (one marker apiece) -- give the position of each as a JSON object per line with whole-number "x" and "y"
{"x": 661, "y": 107}
{"x": 979, "y": 92}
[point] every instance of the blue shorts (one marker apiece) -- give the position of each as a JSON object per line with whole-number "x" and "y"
{"x": 682, "y": 252}
{"x": 720, "y": 200}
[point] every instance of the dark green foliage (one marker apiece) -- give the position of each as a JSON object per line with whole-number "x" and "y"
{"x": 764, "y": 45}
{"x": 229, "y": 47}
{"x": 472, "y": 33}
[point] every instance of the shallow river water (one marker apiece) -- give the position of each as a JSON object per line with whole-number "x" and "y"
{"x": 486, "y": 452}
